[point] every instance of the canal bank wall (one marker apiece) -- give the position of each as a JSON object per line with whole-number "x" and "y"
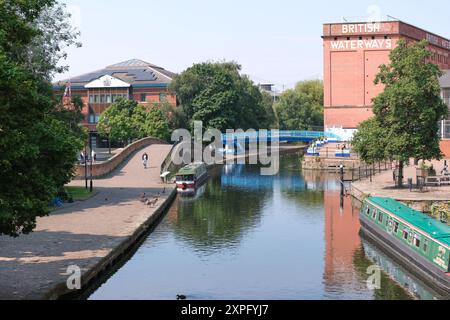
{"x": 102, "y": 169}
{"x": 104, "y": 266}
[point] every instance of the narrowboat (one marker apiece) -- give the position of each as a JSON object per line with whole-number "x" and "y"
{"x": 191, "y": 177}
{"x": 419, "y": 242}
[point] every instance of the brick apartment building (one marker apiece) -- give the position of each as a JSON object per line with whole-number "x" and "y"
{"x": 445, "y": 127}
{"x": 133, "y": 79}
{"x": 353, "y": 53}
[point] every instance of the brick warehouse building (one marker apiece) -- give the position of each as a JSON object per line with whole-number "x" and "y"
{"x": 133, "y": 79}
{"x": 353, "y": 53}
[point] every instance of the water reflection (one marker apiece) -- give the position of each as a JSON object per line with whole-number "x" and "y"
{"x": 227, "y": 210}
{"x": 247, "y": 236}
{"x": 401, "y": 276}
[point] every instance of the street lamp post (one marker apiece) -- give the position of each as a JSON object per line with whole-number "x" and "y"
{"x": 85, "y": 165}
{"x": 92, "y": 160}
{"x": 108, "y": 129}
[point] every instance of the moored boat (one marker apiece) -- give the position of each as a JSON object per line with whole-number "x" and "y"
{"x": 191, "y": 177}
{"x": 419, "y": 242}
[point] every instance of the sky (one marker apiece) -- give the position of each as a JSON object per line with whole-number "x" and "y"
{"x": 275, "y": 42}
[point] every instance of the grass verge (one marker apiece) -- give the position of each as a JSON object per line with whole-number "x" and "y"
{"x": 78, "y": 193}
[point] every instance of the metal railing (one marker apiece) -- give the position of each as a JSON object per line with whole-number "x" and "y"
{"x": 282, "y": 134}
{"x": 167, "y": 164}
{"x": 366, "y": 171}
{"x": 369, "y": 19}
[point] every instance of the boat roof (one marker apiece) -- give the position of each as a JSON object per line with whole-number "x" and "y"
{"x": 190, "y": 169}
{"x": 421, "y": 221}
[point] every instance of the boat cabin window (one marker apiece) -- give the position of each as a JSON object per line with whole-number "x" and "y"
{"x": 374, "y": 213}
{"x": 405, "y": 234}
{"x": 368, "y": 210}
{"x": 396, "y": 226}
{"x": 185, "y": 178}
{"x": 417, "y": 240}
{"x": 380, "y": 217}
{"x": 425, "y": 245}
{"x": 390, "y": 224}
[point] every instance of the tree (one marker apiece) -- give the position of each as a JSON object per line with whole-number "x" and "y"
{"x": 370, "y": 141}
{"x": 151, "y": 122}
{"x": 126, "y": 120}
{"x": 71, "y": 114}
{"x": 217, "y": 95}
{"x": 38, "y": 146}
{"x": 116, "y": 122}
{"x": 270, "y": 116}
{"x": 407, "y": 112}
{"x": 302, "y": 107}
{"x": 176, "y": 116}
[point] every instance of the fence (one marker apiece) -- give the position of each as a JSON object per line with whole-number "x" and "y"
{"x": 366, "y": 171}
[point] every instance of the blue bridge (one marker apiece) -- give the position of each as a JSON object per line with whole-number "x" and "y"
{"x": 282, "y": 136}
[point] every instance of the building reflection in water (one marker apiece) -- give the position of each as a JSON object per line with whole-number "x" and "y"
{"x": 348, "y": 255}
{"x": 341, "y": 240}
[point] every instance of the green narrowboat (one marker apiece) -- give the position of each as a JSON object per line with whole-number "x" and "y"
{"x": 191, "y": 177}
{"x": 420, "y": 242}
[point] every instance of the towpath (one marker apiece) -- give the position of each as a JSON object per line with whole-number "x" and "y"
{"x": 84, "y": 234}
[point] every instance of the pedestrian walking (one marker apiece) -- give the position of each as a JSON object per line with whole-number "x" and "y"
{"x": 445, "y": 171}
{"x": 93, "y": 155}
{"x": 394, "y": 169}
{"x": 145, "y": 160}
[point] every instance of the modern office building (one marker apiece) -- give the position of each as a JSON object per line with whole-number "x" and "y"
{"x": 133, "y": 79}
{"x": 353, "y": 53}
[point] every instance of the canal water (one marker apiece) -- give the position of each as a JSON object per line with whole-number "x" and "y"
{"x": 247, "y": 236}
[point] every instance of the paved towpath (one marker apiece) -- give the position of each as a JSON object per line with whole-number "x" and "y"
{"x": 83, "y": 233}
{"x": 382, "y": 185}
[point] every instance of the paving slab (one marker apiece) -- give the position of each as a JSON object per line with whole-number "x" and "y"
{"x": 383, "y": 185}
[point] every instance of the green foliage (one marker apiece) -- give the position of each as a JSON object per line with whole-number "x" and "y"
{"x": 441, "y": 211}
{"x": 78, "y": 193}
{"x": 72, "y": 115}
{"x": 117, "y": 121}
{"x": 407, "y": 113}
{"x": 369, "y": 141}
{"x": 302, "y": 107}
{"x": 270, "y": 121}
{"x": 217, "y": 95}
{"x": 175, "y": 116}
{"x": 126, "y": 120}
{"x": 151, "y": 122}
{"x": 38, "y": 142}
